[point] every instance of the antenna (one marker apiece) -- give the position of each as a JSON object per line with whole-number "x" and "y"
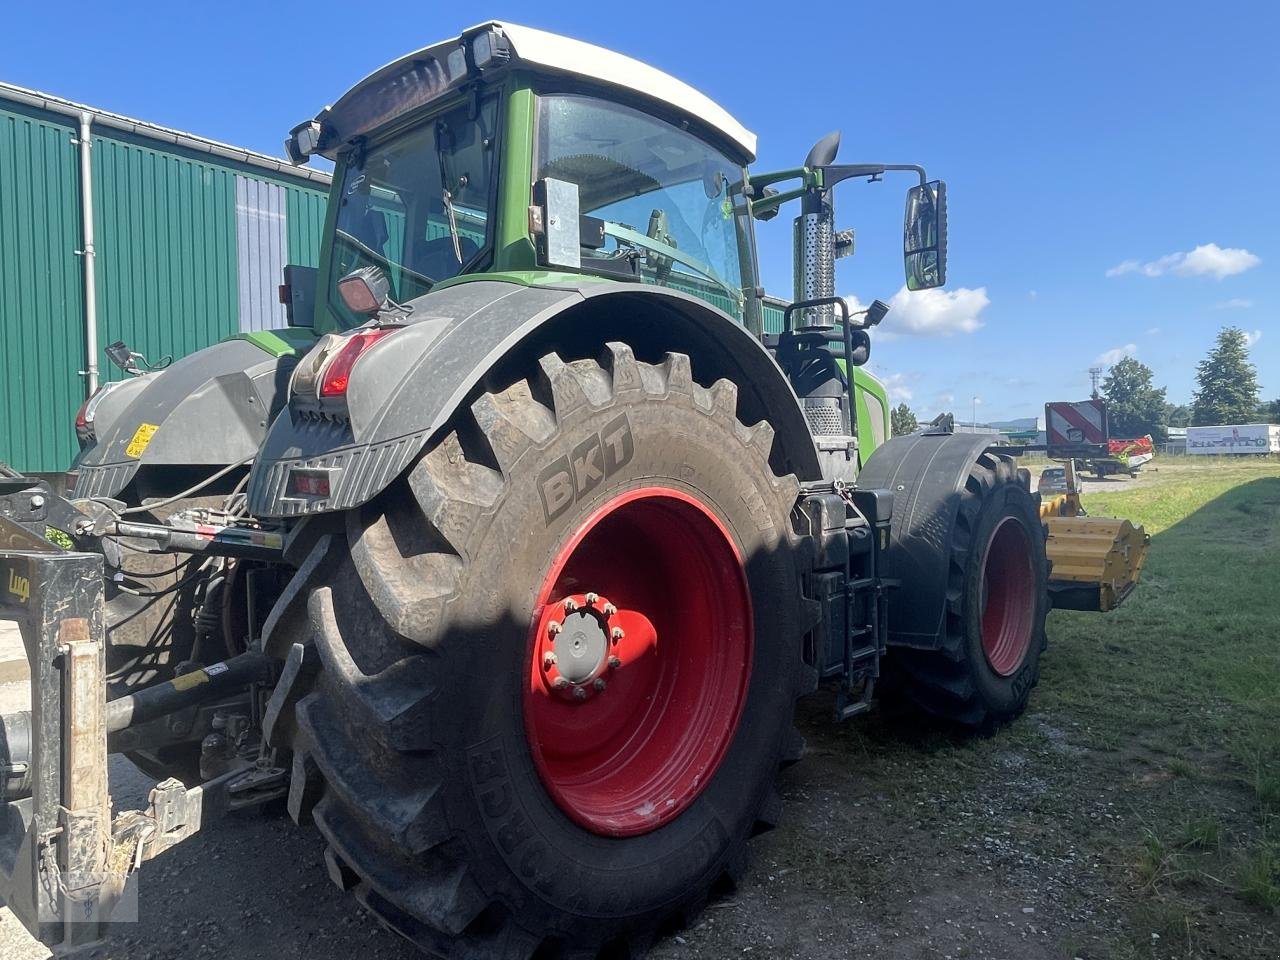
{"x": 1095, "y": 375}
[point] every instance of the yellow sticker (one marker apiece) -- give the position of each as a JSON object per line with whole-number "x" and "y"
{"x": 186, "y": 681}
{"x": 141, "y": 437}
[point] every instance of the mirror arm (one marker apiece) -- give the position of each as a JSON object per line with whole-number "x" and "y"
{"x": 846, "y": 171}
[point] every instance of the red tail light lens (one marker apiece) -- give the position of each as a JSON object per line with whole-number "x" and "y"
{"x": 337, "y": 372}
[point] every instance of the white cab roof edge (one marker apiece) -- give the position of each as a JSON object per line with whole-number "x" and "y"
{"x": 559, "y": 54}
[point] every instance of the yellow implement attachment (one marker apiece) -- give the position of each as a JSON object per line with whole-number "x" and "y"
{"x": 1096, "y": 560}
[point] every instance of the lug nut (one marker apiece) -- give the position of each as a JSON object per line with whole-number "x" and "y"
{"x": 592, "y": 598}
{"x": 616, "y": 634}
{"x": 570, "y": 604}
{"x": 553, "y": 627}
{"x": 600, "y": 685}
{"x": 560, "y": 683}
{"x": 615, "y": 663}
{"x": 548, "y": 660}
{"x": 610, "y": 610}
{"x": 579, "y": 693}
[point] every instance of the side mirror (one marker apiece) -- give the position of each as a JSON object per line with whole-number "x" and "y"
{"x": 924, "y": 240}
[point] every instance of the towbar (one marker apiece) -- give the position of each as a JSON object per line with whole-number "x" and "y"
{"x": 56, "y": 871}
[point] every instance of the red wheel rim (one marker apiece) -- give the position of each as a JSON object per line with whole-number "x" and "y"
{"x": 626, "y": 739}
{"x": 1008, "y": 597}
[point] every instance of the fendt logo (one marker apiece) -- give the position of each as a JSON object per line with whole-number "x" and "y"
{"x": 570, "y": 478}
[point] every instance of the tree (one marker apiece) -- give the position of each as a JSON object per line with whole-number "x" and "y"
{"x": 1177, "y": 415}
{"x": 1269, "y": 411}
{"x": 902, "y": 420}
{"x": 1227, "y": 382}
{"x": 1134, "y": 406}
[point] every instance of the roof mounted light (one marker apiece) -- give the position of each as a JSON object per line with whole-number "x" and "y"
{"x": 489, "y": 48}
{"x": 303, "y": 141}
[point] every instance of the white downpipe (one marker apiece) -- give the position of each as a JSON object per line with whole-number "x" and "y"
{"x": 90, "y": 258}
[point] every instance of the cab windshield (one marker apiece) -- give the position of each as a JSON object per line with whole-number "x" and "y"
{"x": 417, "y": 205}
{"x": 672, "y": 205}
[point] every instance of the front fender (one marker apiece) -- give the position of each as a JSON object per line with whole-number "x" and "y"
{"x": 926, "y": 472}
{"x": 409, "y": 385}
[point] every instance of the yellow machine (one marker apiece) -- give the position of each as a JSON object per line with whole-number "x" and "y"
{"x": 1096, "y": 561}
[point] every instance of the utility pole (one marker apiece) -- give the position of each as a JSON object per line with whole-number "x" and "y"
{"x": 974, "y": 421}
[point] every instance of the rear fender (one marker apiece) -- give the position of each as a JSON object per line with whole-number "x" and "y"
{"x": 926, "y": 474}
{"x": 471, "y": 336}
{"x": 208, "y": 409}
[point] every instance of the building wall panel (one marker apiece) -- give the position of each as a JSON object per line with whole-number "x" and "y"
{"x": 41, "y": 305}
{"x": 174, "y": 274}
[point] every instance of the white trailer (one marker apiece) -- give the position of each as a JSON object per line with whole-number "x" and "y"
{"x": 1255, "y": 438}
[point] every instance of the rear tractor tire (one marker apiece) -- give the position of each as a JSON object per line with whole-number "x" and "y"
{"x": 997, "y": 600}
{"x": 559, "y": 663}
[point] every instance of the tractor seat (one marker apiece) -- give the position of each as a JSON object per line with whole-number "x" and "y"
{"x": 435, "y": 259}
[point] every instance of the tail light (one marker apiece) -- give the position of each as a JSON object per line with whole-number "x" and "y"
{"x": 88, "y": 410}
{"x": 336, "y": 375}
{"x": 325, "y": 372}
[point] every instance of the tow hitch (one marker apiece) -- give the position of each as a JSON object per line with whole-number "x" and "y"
{"x": 66, "y": 866}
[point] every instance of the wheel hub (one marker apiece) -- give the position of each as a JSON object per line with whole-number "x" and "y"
{"x": 578, "y": 647}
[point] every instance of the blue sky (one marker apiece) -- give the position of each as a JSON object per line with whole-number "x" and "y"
{"x": 1075, "y": 139}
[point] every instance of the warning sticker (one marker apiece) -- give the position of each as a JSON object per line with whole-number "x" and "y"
{"x": 141, "y": 437}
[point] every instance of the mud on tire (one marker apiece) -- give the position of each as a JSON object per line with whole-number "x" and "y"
{"x": 411, "y": 753}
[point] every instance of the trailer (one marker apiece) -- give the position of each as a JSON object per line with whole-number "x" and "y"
{"x": 1256, "y": 439}
{"x": 505, "y": 565}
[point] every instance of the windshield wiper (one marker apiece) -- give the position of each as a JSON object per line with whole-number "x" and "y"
{"x": 446, "y": 195}
{"x": 447, "y": 199}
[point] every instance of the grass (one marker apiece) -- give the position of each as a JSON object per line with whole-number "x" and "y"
{"x": 1183, "y": 681}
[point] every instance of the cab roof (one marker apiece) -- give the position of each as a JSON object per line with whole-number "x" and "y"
{"x": 442, "y": 65}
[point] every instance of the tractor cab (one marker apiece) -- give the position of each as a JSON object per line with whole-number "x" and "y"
{"x": 517, "y": 154}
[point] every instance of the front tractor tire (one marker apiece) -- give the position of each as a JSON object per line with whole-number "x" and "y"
{"x": 559, "y": 663}
{"x": 988, "y": 659}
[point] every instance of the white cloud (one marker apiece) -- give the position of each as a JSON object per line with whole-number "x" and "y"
{"x": 1251, "y": 338}
{"x": 936, "y": 313}
{"x": 1235, "y": 303}
{"x": 1109, "y": 358}
{"x": 1152, "y": 331}
{"x": 1208, "y": 259}
{"x": 895, "y": 384}
{"x": 1128, "y": 266}
{"x": 946, "y": 399}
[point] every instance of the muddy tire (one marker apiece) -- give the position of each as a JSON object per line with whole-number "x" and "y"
{"x": 484, "y": 801}
{"x": 997, "y": 601}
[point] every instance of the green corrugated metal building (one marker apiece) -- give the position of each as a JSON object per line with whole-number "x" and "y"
{"x": 189, "y": 240}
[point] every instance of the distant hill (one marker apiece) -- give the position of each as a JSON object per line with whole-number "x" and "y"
{"x": 1022, "y": 423}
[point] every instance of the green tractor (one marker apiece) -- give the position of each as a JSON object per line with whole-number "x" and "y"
{"x": 507, "y": 563}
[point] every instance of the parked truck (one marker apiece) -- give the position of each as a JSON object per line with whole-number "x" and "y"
{"x": 505, "y": 565}
{"x": 1258, "y": 439}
